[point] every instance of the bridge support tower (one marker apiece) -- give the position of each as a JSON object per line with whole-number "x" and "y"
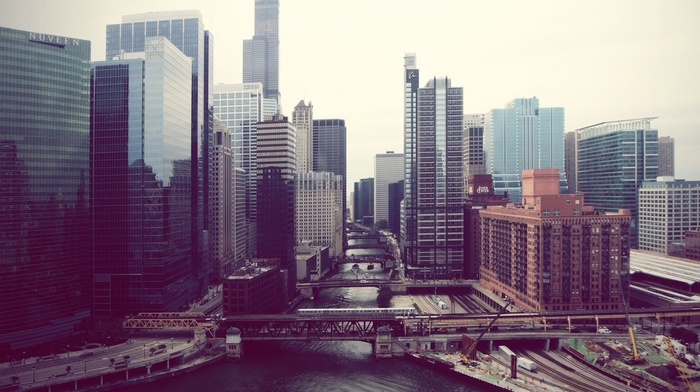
{"x": 382, "y": 345}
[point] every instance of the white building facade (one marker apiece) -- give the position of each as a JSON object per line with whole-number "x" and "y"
{"x": 319, "y": 217}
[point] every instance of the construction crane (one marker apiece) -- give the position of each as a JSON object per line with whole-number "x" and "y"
{"x": 469, "y": 350}
{"x": 635, "y": 358}
{"x": 679, "y": 366}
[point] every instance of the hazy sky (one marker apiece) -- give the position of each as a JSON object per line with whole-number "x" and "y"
{"x": 600, "y": 60}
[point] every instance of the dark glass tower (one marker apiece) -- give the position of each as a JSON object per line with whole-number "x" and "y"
{"x": 330, "y": 150}
{"x": 261, "y": 53}
{"x": 409, "y": 232}
{"x": 141, "y": 182}
{"x": 185, "y": 30}
{"x": 44, "y": 163}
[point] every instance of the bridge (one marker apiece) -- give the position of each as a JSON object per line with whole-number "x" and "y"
{"x": 366, "y": 246}
{"x": 328, "y": 284}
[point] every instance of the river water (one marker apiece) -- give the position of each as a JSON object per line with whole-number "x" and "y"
{"x": 316, "y": 366}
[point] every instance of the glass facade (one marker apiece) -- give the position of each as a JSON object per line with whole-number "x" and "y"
{"x": 185, "y": 30}
{"x": 410, "y": 148}
{"x": 44, "y": 201}
{"x": 141, "y": 182}
{"x": 613, "y": 160}
{"x": 330, "y": 150}
{"x": 524, "y": 136}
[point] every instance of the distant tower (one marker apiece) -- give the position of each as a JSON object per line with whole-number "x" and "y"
{"x": 364, "y": 201}
{"x": 523, "y": 136}
{"x": 261, "y": 53}
{"x": 613, "y": 159}
{"x": 666, "y": 157}
{"x": 276, "y": 173}
{"x": 329, "y": 150}
{"x": 473, "y": 147}
{"x": 388, "y": 168}
{"x": 319, "y": 219}
{"x": 45, "y": 283}
{"x": 570, "y": 139}
{"x": 394, "y": 206}
{"x": 303, "y": 118}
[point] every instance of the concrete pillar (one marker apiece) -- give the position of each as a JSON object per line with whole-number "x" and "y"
{"x": 490, "y": 345}
{"x": 75, "y": 385}
{"x": 148, "y": 370}
{"x": 546, "y": 345}
{"x": 168, "y": 363}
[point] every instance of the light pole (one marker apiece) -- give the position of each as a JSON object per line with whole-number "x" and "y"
{"x": 172, "y": 344}
{"x": 144, "y": 351}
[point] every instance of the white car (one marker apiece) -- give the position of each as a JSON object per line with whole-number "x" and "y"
{"x": 604, "y": 330}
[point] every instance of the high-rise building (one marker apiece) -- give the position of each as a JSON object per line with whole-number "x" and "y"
{"x": 388, "y": 168}
{"x": 409, "y": 234}
{"x": 613, "y": 159}
{"x": 261, "y": 53}
{"x": 523, "y": 136}
{"x": 394, "y": 206}
{"x": 692, "y": 244}
{"x": 319, "y": 218}
{"x": 303, "y": 121}
{"x": 579, "y": 260}
{"x": 330, "y": 150}
{"x": 276, "y": 195}
{"x": 473, "y": 148}
{"x": 240, "y": 107}
{"x": 570, "y": 139}
{"x": 185, "y": 30}
{"x": 666, "y": 157}
{"x": 364, "y": 201}
{"x": 440, "y": 185}
{"x": 140, "y": 181}
{"x": 223, "y": 205}
{"x": 45, "y": 270}
{"x": 667, "y": 210}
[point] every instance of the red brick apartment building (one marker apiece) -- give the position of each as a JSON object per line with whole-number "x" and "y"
{"x": 552, "y": 252}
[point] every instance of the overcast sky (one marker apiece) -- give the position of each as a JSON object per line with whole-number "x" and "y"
{"x": 600, "y": 60}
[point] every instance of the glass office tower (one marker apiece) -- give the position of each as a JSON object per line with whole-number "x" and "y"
{"x": 329, "y": 138}
{"x": 185, "y": 30}
{"x": 410, "y": 151}
{"x": 523, "y": 136}
{"x": 44, "y": 163}
{"x": 141, "y": 182}
{"x": 613, "y": 159}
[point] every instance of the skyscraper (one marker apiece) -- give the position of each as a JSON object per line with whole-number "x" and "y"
{"x": 303, "y": 120}
{"x": 276, "y": 195}
{"x": 666, "y": 156}
{"x": 613, "y": 159}
{"x": 570, "y": 139}
{"x": 409, "y": 236}
{"x": 440, "y": 185}
{"x": 185, "y": 30}
{"x": 140, "y": 182}
{"x": 395, "y": 196}
{"x": 554, "y": 253}
{"x": 388, "y": 169}
{"x": 240, "y": 107}
{"x": 223, "y": 212}
{"x": 261, "y": 53}
{"x": 523, "y": 136}
{"x": 330, "y": 150}
{"x": 45, "y": 274}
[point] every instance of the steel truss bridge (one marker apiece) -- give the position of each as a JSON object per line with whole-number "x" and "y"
{"x": 327, "y": 284}
{"x": 310, "y": 328}
{"x": 182, "y": 321}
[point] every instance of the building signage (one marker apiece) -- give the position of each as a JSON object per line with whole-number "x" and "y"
{"x": 53, "y": 39}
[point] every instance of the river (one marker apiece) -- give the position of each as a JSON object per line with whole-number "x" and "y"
{"x": 316, "y": 366}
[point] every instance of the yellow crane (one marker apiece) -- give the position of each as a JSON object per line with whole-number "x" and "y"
{"x": 635, "y": 358}
{"x": 469, "y": 349}
{"x": 689, "y": 386}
